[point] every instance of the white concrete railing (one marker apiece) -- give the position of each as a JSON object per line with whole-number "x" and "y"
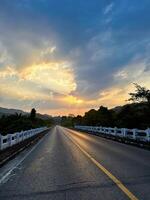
{"x": 12, "y": 139}
{"x": 133, "y": 134}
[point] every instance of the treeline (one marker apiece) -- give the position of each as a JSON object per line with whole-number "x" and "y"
{"x": 134, "y": 115}
{"x": 19, "y": 122}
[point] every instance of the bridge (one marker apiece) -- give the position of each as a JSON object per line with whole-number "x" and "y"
{"x": 70, "y": 164}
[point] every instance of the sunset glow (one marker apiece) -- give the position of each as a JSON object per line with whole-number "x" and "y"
{"x": 50, "y": 61}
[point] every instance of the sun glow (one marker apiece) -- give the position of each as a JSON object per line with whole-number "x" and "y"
{"x": 49, "y": 82}
{"x": 57, "y": 76}
{"x": 73, "y": 100}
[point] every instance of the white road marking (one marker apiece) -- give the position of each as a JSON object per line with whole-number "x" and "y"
{"x": 8, "y": 173}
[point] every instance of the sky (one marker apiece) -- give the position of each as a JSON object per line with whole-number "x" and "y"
{"x": 68, "y": 56}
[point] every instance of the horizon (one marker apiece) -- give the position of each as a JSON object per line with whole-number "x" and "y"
{"x": 61, "y": 115}
{"x": 72, "y": 56}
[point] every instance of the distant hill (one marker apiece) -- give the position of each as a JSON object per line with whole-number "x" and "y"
{"x": 117, "y": 109}
{"x": 135, "y": 106}
{"x": 43, "y": 116}
{"x": 7, "y": 111}
{"x": 11, "y": 111}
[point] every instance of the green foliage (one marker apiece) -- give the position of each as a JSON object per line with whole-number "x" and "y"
{"x": 77, "y": 120}
{"x": 141, "y": 94}
{"x": 18, "y": 122}
{"x": 67, "y": 121}
{"x": 135, "y": 115}
{"x": 105, "y": 117}
{"x": 90, "y": 117}
{"x": 33, "y": 114}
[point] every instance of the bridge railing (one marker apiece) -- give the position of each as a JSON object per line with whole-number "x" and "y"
{"x": 15, "y": 138}
{"x": 131, "y": 134}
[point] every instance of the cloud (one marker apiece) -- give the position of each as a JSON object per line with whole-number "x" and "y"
{"x": 48, "y": 51}
{"x": 108, "y": 8}
{"x": 131, "y": 72}
{"x": 57, "y": 76}
{"x": 5, "y": 58}
{"x": 64, "y": 56}
{"x": 37, "y": 84}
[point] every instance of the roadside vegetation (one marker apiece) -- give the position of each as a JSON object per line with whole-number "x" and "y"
{"x": 132, "y": 115}
{"x": 18, "y": 122}
{"x": 135, "y": 114}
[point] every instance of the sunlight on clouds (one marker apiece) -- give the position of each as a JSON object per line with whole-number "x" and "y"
{"x": 64, "y": 111}
{"x": 22, "y": 93}
{"x": 110, "y": 97}
{"x": 72, "y": 100}
{"x": 7, "y": 72}
{"x": 53, "y": 83}
{"x": 50, "y": 82}
{"x": 114, "y": 96}
{"x": 57, "y": 76}
{"x": 43, "y": 63}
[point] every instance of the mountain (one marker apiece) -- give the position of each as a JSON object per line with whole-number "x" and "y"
{"x": 117, "y": 109}
{"x": 7, "y": 111}
{"x": 43, "y": 116}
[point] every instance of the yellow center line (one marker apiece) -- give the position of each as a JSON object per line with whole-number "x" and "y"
{"x": 109, "y": 174}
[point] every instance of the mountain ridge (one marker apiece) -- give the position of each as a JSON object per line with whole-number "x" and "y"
{"x": 12, "y": 111}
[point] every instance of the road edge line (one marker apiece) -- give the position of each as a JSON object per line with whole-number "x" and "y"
{"x": 2, "y": 179}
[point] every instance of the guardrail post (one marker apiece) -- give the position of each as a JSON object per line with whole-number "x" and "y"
{"x": 124, "y": 131}
{"x": 134, "y": 133}
{"x": 115, "y": 131}
{"x": 148, "y": 134}
{"x": 24, "y": 135}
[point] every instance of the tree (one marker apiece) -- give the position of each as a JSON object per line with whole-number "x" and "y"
{"x": 90, "y": 118}
{"x": 33, "y": 114}
{"x": 67, "y": 121}
{"x": 77, "y": 120}
{"x": 141, "y": 94}
{"x": 104, "y": 116}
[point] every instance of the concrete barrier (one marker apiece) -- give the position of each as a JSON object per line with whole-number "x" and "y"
{"x": 123, "y": 133}
{"x": 12, "y": 139}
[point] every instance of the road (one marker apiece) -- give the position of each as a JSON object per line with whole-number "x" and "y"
{"x": 70, "y": 165}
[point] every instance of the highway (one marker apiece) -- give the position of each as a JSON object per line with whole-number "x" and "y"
{"x": 70, "y": 165}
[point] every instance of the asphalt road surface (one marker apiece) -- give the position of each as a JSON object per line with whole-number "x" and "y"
{"x": 70, "y": 165}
